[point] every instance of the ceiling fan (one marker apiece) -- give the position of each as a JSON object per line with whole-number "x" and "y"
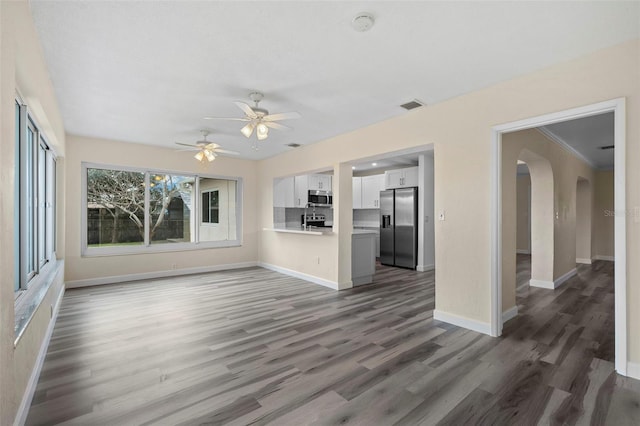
{"x": 258, "y": 118}
{"x": 206, "y": 149}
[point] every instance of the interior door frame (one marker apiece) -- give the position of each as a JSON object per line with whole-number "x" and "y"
{"x": 618, "y": 107}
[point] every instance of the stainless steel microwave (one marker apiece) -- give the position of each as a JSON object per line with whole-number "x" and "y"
{"x": 320, "y": 198}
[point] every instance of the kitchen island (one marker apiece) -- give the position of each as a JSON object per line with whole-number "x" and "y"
{"x": 363, "y": 256}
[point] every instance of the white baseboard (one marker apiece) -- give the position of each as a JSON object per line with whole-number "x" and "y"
{"x": 601, "y": 257}
{"x": 633, "y": 370}
{"x": 542, "y": 284}
{"x": 509, "y": 314}
{"x": 480, "y": 327}
{"x": 561, "y": 280}
{"x": 522, "y": 251}
{"x": 583, "y": 261}
{"x": 156, "y": 274}
{"x": 552, "y": 285}
{"x": 301, "y": 275}
{"x": 425, "y": 268}
{"x": 27, "y": 397}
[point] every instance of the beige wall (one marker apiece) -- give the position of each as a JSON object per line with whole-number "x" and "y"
{"x": 523, "y": 183}
{"x": 603, "y": 215}
{"x": 584, "y": 213}
{"x": 22, "y": 68}
{"x": 460, "y": 130}
{"x": 81, "y": 149}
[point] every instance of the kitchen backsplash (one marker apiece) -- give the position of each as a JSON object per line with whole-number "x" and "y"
{"x": 366, "y": 217}
{"x": 290, "y": 217}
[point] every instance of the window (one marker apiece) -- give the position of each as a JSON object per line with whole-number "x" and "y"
{"x": 130, "y": 211}
{"x": 210, "y": 207}
{"x": 35, "y": 206}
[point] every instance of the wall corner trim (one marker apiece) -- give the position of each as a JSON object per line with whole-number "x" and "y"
{"x": 425, "y": 268}
{"x": 542, "y": 284}
{"x": 311, "y": 278}
{"x": 471, "y": 324}
{"x": 583, "y": 261}
{"x": 27, "y": 397}
{"x": 633, "y": 370}
{"x": 509, "y": 314}
{"x": 156, "y": 274}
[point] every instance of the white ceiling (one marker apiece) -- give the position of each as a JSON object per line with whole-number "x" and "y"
{"x": 586, "y": 136}
{"x": 147, "y": 72}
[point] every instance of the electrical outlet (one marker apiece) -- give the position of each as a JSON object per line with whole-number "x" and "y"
{"x": 174, "y": 266}
{"x": 426, "y": 219}
{"x": 318, "y": 259}
{"x": 51, "y": 313}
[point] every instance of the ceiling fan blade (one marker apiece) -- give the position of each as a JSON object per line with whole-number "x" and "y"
{"x": 275, "y": 125}
{"x": 188, "y": 149}
{"x": 226, "y": 151}
{"x": 247, "y": 110}
{"x": 187, "y": 144}
{"x": 281, "y": 116}
{"x": 226, "y": 118}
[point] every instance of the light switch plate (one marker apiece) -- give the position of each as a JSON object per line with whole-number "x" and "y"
{"x": 441, "y": 215}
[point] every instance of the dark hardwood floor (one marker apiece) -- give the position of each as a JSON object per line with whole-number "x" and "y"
{"x": 256, "y": 347}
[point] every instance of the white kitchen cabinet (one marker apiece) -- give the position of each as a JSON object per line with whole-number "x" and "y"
{"x": 357, "y": 192}
{"x": 401, "y": 178}
{"x": 301, "y": 190}
{"x": 371, "y": 187}
{"x": 284, "y": 192}
{"x": 319, "y": 182}
{"x": 304, "y": 183}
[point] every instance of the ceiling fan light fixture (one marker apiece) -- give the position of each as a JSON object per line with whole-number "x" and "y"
{"x": 199, "y": 156}
{"x": 248, "y": 129}
{"x": 210, "y": 155}
{"x": 262, "y": 131}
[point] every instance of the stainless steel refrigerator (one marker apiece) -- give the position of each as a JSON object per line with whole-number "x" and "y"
{"x": 399, "y": 227}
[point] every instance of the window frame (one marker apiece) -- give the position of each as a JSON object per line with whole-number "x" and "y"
{"x": 148, "y": 246}
{"x": 209, "y": 222}
{"x": 31, "y": 286}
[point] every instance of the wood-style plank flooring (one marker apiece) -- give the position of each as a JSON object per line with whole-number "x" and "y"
{"x": 253, "y": 346}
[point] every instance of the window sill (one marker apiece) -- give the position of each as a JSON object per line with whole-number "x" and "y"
{"x": 28, "y": 301}
{"x": 160, "y": 248}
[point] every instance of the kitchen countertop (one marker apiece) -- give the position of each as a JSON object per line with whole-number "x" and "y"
{"x": 299, "y": 230}
{"x": 364, "y": 231}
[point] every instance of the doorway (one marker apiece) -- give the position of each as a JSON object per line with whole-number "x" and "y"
{"x": 616, "y": 106}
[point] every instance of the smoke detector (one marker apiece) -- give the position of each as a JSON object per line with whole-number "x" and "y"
{"x": 363, "y": 22}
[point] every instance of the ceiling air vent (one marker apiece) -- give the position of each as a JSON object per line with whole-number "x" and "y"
{"x": 607, "y": 147}
{"x": 293, "y": 145}
{"x": 412, "y": 105}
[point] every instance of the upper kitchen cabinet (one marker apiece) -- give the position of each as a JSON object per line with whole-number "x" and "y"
{"x": 371, "y": 187}
{"x": 320, "y": 182}
{"x": 401, "y": 178}
{"x": 284, "y": 192}
{"x": 305, "y": 183}
{"x": 357, "y": 192}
